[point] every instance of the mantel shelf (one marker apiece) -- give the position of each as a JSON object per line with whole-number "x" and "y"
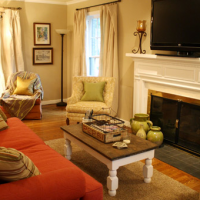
{"x": 157, "y": 57}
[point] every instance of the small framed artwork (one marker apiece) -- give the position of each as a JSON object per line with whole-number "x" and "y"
{"x": 42, "y": 56}
{"x": 42, "y": 33}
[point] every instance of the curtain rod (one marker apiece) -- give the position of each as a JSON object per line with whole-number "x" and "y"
{"x": 98, "y": 5}
{"x": 13, "y": 8}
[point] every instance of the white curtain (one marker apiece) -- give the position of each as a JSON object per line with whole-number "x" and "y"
{"x": 109, "y": 48}
{"x": 79, "y": 68}
{"x": 2, "y": 80}
{"x": 11, "y": 46}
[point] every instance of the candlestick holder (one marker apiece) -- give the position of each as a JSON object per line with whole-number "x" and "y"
{"x": 140, "y": 34}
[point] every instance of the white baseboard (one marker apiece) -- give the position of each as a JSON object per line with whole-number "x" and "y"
{"x": 48, "y": 102}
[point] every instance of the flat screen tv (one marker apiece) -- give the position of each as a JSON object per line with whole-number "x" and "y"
{"x": 175, "y": 26}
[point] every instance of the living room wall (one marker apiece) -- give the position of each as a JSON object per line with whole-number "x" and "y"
{"x": 60, "y": 16}
{"x": 43, "y": 13}
{"x": 129, "y": 11}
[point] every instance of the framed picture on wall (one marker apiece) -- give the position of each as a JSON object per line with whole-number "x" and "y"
{"x": 42, "y": 56}
{"x": 42, "y": 33}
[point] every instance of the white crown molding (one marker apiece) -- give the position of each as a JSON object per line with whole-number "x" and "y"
{"x": 75, "y": 1}
{"x": 51, "y": 2}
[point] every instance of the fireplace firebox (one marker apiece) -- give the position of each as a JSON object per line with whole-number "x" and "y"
{"x": 179, "y": 120}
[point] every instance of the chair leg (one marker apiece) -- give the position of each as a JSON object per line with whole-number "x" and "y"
{"x": 67, "y": 121}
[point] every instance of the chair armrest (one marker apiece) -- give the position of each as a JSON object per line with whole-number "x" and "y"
{"x": 6, "y": 93}
{"x": 68, "y": 183}
{"x": 72, "y": 100}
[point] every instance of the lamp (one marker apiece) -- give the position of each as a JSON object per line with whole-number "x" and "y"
{"x": 62, "y": 32}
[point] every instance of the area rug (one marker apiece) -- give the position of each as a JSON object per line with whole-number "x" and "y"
{"x": 131, "y": 184}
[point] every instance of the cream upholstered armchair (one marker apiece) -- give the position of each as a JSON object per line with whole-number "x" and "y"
{"x": 77, "y": 106}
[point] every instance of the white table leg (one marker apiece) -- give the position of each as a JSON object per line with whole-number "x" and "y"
{"x": 67, "y": 149}
{"x": 148, "y": 170}
{"x": 112, "y": 182}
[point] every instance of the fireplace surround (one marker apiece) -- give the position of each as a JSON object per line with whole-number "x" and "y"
{"x": 172, "y": 75}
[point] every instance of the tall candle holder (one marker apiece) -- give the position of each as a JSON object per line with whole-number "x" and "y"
{"x": 141, "y": 27}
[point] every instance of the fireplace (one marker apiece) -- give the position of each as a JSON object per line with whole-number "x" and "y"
{"x": 173, "y": 76}
{"x": 178, "y": 118}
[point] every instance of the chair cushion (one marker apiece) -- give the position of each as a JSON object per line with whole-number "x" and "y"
{"x": 14, "y": 165}
{"x": 83, "y": 106}
{"x": 24, "y": 86}
{"x": 93, "y": 91}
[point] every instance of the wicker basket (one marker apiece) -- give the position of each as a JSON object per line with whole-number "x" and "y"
{"x": 105, "y": 128}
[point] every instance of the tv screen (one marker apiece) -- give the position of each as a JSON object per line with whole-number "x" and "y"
{"x": 175, "y": 25}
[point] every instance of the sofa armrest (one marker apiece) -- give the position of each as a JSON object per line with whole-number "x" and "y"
{"x": 68, "y": 183}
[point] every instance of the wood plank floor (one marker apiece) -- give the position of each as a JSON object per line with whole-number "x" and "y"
{"x": 49, "y": 128}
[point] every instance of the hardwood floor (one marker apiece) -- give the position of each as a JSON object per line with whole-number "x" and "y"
{"x": 49, "y": 128}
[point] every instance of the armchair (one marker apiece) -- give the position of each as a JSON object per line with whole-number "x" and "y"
{"x": 15, "y": 103}
{"x": 76, "y": 108}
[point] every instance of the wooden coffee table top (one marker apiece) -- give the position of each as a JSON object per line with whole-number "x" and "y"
{"x": 137, "y": 145}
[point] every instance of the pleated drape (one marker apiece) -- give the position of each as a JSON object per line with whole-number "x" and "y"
{"x": 2, "y": 80}
{"x": 12, "y": 56}
{"x": 109, "y": 48}
{"x": 79, "y": 67}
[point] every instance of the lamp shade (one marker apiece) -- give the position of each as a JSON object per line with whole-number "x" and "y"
{"x": 62, "y": 31}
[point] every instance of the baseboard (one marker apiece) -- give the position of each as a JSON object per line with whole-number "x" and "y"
{"x": 48, "y": 102}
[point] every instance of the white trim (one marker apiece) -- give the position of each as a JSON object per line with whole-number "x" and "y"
{"x": 74, "y": 1}
{"x": 48, "y": 102}
{"x": 94, "y": 13}
{"x": 51, "y": 2}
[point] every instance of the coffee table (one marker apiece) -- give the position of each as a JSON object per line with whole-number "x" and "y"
{"x": 139, "y": 149}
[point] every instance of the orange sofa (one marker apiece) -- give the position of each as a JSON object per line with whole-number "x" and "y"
{"x": 60, "y": 179}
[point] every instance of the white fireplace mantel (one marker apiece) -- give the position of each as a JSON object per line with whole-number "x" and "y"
{"x": 169, "y": 74}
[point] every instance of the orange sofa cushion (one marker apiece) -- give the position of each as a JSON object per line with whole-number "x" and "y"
{"x": 59, "y": 179}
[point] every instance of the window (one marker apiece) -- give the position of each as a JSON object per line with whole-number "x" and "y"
{"x": 93, "y": 41}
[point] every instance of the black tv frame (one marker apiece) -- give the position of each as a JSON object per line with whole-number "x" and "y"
{"x": 182, "y": 50}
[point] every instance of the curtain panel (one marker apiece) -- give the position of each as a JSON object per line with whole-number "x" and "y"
{"x": 11, "y": 54}
{"x": 109, "y": 48}
{"x": 79, "y": 67}
{"x": 2, "y": 80}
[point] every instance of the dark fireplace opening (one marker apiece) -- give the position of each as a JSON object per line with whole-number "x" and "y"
{"x": 179, "y": 119}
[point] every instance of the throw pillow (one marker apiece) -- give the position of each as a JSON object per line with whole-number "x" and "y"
{"x": 3, "y": 115}
{"x": 3, "y": 124}
{"x": 14, "y": 165}
{"x": 24, "y": 86}
{"x": 93, "y": 91}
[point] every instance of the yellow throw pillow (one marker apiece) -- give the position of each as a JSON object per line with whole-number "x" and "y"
{"x": 14, "y": 165}
{"x": 3, "y": 115}
{"x": 24, "y": 86}
{"x": 3, "y": 124}
{"x": 93, "y": 91}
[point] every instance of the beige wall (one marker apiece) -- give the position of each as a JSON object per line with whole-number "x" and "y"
{"x": 129, "y": 11}
{"x": 45, "y": 13}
